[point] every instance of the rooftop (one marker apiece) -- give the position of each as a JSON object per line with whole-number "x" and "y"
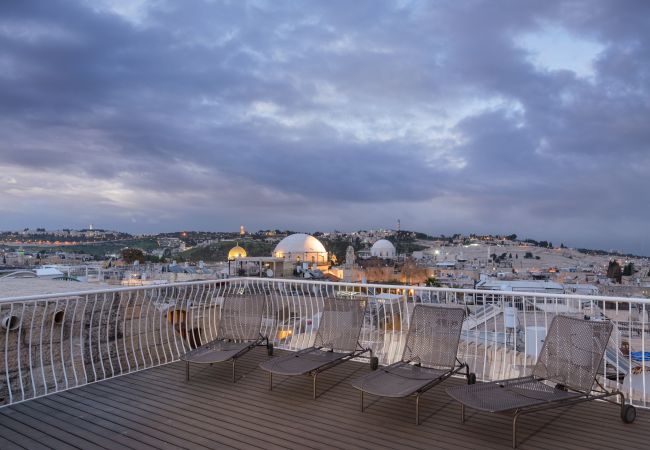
{"x": 13, "y": 287}
{"x": 157, "y": 408}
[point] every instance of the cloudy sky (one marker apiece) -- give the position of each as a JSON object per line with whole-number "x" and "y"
{"x": 516, "y": 116}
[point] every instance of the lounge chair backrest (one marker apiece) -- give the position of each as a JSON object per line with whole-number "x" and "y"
{"x": 340, "y": 324}
{"x": 433, "y": 335}
{"x": 573, "y": 352}
{"x": 241, "y": 317}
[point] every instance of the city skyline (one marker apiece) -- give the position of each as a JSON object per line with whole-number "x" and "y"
{"x": 97, "y": 237}
{"x": 456, "y": 117}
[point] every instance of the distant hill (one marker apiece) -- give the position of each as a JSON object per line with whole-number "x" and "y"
{"x": 219, "y": 251}
{"x": 98, "y": 249}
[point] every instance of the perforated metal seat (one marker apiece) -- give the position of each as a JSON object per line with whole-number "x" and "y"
{"x": 237, "y": 333}
{"x": 565, "y": 374}
{"x": 429, "y": 356}
{"x": 337, "y": 341}
{"x": 215, "y": 352}
{"x": 398, "y": 380}
{"x": 302, "y": 362}
{"x": 509, "y": 394}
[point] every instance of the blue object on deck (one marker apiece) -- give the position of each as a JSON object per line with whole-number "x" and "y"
{"x": 640, "y": 356}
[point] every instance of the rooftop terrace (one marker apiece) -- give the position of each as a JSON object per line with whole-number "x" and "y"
{"x": 100, "y": 369}
{"x": 157, "y": 408}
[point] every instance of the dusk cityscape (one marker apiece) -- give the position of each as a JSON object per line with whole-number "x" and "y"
{"x": 274, "y": 224}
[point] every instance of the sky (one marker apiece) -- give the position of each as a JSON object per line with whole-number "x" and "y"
{"x": 454, "y": 116}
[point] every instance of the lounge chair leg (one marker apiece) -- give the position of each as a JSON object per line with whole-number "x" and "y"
{"x": 270, "y": 381}
{"x": 462, "y": 413}
{"x": 417, "y": 409}
{"x": 514, "y": 430}
{"x": 361, "y": 401}
{"x": 315, "y": 375}
{"x": 187, "y": 371}
{"x": 234, "y": 380}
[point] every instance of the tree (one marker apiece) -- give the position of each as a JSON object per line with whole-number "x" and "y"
{"x": 432, "y": 282}
{"x": 131, "y": 255}
{"x": 628, "y": 270}
{"x": 614, "y": 271}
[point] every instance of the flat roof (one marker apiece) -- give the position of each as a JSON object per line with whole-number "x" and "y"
{"x": 260, "y": 259}
{"x": 19, "y": 287}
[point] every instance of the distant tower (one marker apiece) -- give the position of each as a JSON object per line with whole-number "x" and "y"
{"x": 399, "y": 225}
{"x": 349, "y": 257}
{"x": 348, "y": 268}
{"x": 90, "y": 227}
{"x": 242, "y": 231}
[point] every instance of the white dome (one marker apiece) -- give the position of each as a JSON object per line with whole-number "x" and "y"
{"x": 383, "y": 249}
{"x": 301, "y": 247}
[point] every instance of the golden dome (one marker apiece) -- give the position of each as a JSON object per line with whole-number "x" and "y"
{"x": 236, "y": 252}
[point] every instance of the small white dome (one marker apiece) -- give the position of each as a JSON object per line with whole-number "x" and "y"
{"x": 383, "y": 249}
{"x": 301, "y": 247}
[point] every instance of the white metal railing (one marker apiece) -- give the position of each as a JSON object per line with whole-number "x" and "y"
{"x": 50, "y": 343}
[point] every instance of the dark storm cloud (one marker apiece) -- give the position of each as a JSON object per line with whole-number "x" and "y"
{"x": 338, "y": 105}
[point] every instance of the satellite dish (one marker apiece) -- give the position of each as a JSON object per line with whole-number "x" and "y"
{"x": 269, "y": 273}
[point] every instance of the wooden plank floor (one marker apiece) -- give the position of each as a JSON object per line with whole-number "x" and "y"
{"x": 157, "y": 408}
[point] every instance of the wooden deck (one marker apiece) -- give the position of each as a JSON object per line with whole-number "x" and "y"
{"x": 157, "y": 408}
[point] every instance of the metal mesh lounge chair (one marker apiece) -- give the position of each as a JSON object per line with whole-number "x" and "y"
{"x": 565, "y": 374}
{"x": 238, "y": 332}
{"x": 428, "y": 359}
{"x": 337, "y": 341}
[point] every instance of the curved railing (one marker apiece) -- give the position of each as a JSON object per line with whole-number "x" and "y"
{"x": 50, "y": 343}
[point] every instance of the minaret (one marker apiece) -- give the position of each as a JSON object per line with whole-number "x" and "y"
{"x": 242, "y": 231}
{"x": 488, "y": 256}
{"x": 399, "y": 225}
